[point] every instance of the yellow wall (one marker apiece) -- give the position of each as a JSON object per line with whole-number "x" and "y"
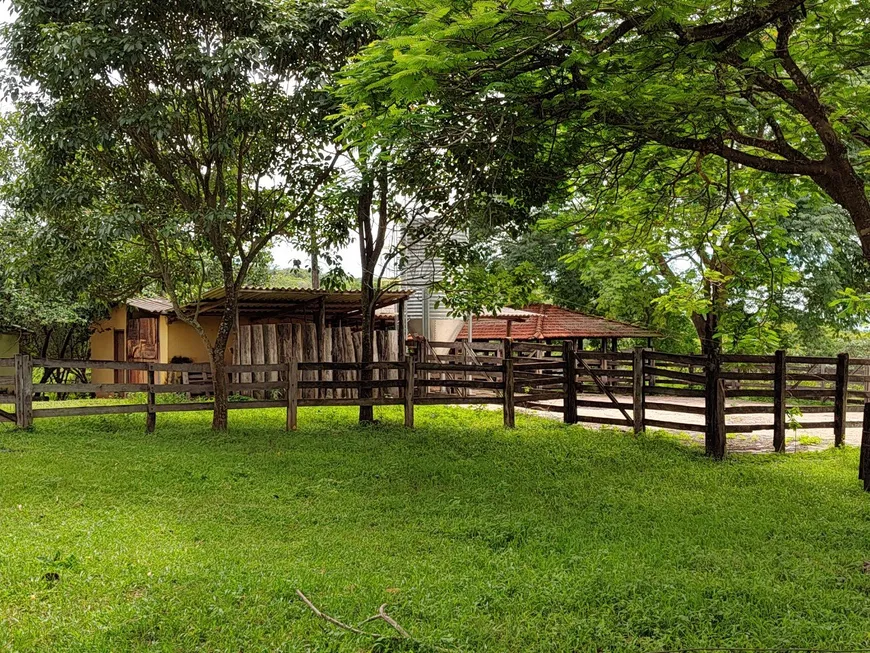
{"x": 8, "y": 349}
{"x": 103, "y": 342}
{"x": 175, "y": 338}
{"x": 183, "y": 340}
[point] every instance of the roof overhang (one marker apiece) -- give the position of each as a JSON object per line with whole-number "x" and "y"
{"x": 288, "y": 302}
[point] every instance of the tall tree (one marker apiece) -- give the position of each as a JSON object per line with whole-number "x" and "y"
{"x": 194, "y": 129}
{"x": 390, "y": 203}
{"x": 543, "y": 99}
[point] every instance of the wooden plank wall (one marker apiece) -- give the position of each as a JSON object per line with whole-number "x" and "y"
{"x": 260, "y": 344}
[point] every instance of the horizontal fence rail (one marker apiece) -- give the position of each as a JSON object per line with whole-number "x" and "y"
{"x": 636, "y": 390}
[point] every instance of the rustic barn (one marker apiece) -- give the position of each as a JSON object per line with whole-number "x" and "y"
{"x": 275, "y": 325}
{"x": 549, "y": 323}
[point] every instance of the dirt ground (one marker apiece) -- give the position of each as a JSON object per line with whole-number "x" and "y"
{"x": 806, "y": 438}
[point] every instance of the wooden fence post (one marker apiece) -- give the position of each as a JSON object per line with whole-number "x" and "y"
{"x": 569, "y": 357}
{"x": 292, "y": 394}
{"x": 23, "y": 391}
{"x": 409, "y": 392}
{"x": 864, "y": 462}
{"x": 151, "y": 415}
{"x": 714, "y": 399}
{"x": 779, "y": 385}
{"x": 638, "y": 416}
{"x": 841, "y": 399}
{"x": 509, "y": 407}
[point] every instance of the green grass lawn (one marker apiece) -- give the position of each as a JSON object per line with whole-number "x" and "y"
{"x": 546, "y": 538}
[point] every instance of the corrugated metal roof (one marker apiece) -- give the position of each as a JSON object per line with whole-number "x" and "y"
{"x": 268, "y": 301}
{"x": 556, "y": 323}
{"x": 255, "y": 299}
{"x": 151, "y": 304}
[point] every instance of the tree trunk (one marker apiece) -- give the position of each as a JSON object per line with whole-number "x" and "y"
{"x": 846, "y": 188}
{"x": 366, "y": 413}
{"x": 707, "y": 328}
{"x": 368, "y": 260}
{"x": 220, "y": 421}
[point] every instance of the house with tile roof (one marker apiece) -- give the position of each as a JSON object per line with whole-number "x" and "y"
{"x": 549, "y": 322}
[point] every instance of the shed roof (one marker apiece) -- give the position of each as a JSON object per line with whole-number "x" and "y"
{"x": 151, "y": 304}
{"x": 261, "y": 302}
{"x": 554, "y": 322}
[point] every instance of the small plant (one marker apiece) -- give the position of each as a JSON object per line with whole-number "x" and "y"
{"x": 791, "y": 416}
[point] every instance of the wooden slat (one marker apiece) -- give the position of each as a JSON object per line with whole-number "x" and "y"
{"x": 605, "y": 356}
{"x": 90, "y": 387}
{"x": 264, "y": 385}
{"x": 608, "y": 405}
{"x": 673, "y": 392}
{"x": 178, "y": 408}
{"x": 674, "y": 408}
{"x": 251, "y": 405}
{"x": 748, "y": 376}
{"x": 675, "y": 358}
{"x": 79, "y": 411}
{"x": 261, "y": 367}
{"x": 354, "y": 401}
{"x": 445, "y": 400}
{"x": 747, "y": 428}
{"x": 760, "y": 409}
{"x": 697, "y": 379}
{"x": 747, "y": 358}
{"x": 160, "y": 388}
{"x": 676, "y": 426}
{"x": 538, "y": 365}
{"x": 613, "y": 374}
{"x": 460, "y": 383}
{"x": 539, "y": 382}
{"x": 456, "y": 367}
{"x": 352, "y": 367}
{"x": 813, "y": 360}
{"x": 181, "y": 367}
{"x": 353, "y": 384}
{"x": 89, "y": 364}
{"x": 536, "y": 346}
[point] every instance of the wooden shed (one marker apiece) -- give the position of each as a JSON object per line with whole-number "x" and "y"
{"x": 275, "y": 324}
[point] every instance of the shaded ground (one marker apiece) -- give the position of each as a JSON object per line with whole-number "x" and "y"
{"x": 806, "y": 438}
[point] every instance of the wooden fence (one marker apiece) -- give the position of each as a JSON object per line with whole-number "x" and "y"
{"x": 642, "y": 383}
{"x": 408, "y": 383}
{"x": 636, "y": 385}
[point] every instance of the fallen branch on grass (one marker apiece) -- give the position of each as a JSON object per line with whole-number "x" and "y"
{"x": 381, "y": 615}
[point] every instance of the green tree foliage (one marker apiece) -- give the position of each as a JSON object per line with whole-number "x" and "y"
{"x": 666, "y": 133}
{"x": 194, "y": 130}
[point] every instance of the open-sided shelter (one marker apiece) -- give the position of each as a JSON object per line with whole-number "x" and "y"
{"x": 275, "y": 324}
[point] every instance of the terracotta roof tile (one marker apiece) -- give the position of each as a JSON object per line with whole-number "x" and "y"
{"x": 556, "y": 323}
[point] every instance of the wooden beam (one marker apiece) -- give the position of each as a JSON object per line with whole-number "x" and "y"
{"x": 779, "y": 388}
{"x": 840, "y": 399}
{"x": 569, "y": 404}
